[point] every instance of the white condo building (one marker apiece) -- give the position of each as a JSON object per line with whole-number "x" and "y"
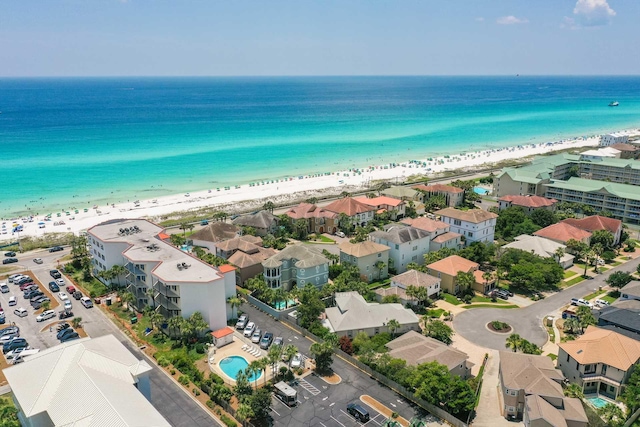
{"x": 161, "y": 275}
{"x": 614, "y": 138}
{"x": 476, "y": 225}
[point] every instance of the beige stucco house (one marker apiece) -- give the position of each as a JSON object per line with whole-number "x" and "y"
{"x": 368, "y": 256}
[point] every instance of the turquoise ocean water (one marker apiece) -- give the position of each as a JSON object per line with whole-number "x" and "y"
{"x": 77, "y": 142}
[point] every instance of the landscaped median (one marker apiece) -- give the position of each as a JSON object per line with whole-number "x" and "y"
{"x": 386, "y": 412}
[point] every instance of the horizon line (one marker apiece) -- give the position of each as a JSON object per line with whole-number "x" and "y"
{"x": 306, "y": 75}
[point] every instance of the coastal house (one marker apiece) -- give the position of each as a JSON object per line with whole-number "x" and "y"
{"x": 597, "y": 222}
{"x": 403, "y": 193}
{"x": 447, "y": 269}
{"x": 160, "y": 275}
{"x": 319, "y": 219}
{"x": 394, "y": 207}
{"x": 562, "y": 232}
{"x": 359, "y": 213}
{"x": 476, "y": 225}
{"x": 213, "y": 233}
{"x": 246, "y": 243}
{"x": 622, "y": 316}
{"x": 352, "y": 315}
{"x": 630, "y": 291}
{"x": 599, "y": 361}
{"x": 453, "y": 196}
{"x": 406, "y": 244}
{"x": 415, "y": 349}
{"x": 263, "y": 222}
{"x": 601, "y": 153}
{"x": 296, "y": 266}
{"x": 438, "y": 231}
{"x": 542, "y": 247}
{"x": 610, "y": 139}
{"x": 85, "y": 382}
{"x": 246, "y": 253}
{"x": 372, "y": 259}
{"x": 627, "y": 151}
{"x": 528, "y": 203}
{"x": 419, "y": 280}
{"x": 531, "y": 390}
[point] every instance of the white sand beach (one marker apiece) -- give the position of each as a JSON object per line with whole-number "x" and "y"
{"x": 237, "y": 199}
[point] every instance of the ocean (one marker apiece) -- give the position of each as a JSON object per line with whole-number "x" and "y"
{"x": 77, "y": 142}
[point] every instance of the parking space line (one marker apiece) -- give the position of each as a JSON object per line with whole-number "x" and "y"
{"x": 338, "y": 421}
{"x": 274, "y": 411}
{"x": 308, "y": 386}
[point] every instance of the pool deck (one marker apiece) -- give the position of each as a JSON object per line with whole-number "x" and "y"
{"x": 589, "y": 396}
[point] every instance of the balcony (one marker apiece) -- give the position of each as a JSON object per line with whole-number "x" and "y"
{"x": 601, "y": 378}
{"x": 165, "y": 302}
{"x": 134, "y": 270}
{"x": 165, "y": 290}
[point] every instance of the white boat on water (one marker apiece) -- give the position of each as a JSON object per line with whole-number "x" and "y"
{"x": 614, "y": 104}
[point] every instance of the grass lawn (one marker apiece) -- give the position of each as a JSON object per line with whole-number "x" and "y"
{"x": 491, "y": 306}
{"x": 569, "y": 273}
{"x": 580, "y": 265}
{"x": 435, "y": 313}
{"x": 487, "y": 300}
{"x": 451, "y": 299}
{"x": 572, "y": 281}
{"x": 383, "y": 284}
{"x": 608, "y": 298}
{"x": 593, "y": 295}
{"x": 324, "y": 239}
{"x": 94, "y": 287}
{"x": 602, "y": 269}
{"x": 552, "y": 356}
{"x": 615, "y": 263}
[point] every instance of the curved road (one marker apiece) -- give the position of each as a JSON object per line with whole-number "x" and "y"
{"x": 526, "y": 321}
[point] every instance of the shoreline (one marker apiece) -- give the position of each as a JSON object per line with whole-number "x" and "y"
{"x": 286, "y": 190}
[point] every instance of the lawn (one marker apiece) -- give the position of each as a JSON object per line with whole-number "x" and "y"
{"x": 451, "y": 299}
{"x": 615, "y": 263}
{"x": 491, "y": 306}
{"x": 435, "y": 313}
{"x": 608, "y": 298}
{"x": 552, "y": 356}
{"x": 593, "y": 295}
{"x": 569, "y": 273}
{"x": 572, "y": 281}
{"x": 487, "y": 300}
{"x": 324, "y": 239}
{"x": 94, "y": 287}
{"x": 602, "y": 269}
{"x": 383, "y": 284}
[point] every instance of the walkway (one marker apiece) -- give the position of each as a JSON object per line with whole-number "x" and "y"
{"x": 489, "y": 412}
{"x": 526, "y": 321}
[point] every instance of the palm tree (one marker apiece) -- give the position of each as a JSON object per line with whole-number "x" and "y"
{"x": 273, "y": 356}
{"x": 127, "y": 298}
{"x": 279, "y": 295}
{"x": 289, "y": 351}
{"x": 263, "y": 363}
{"x": 198, "y": 323}
{"x": 393, "y": 326}
{"x": 574, "y": 390}
{"x": 513, "y": 342}
{"x": 269, "y": 206}
{"x": 156, "y": 319}
{"x": 244, "y": 412}
{"x": 345, "y": 194}
{"x": 151, "y": 294}
{"x": 187, "y": 330}
{"x": 254, "y": 367}
{"x": 234, "y": 302}
{"x": 117, "y": 271}
{"x": 76, "y": 322}
{"x": 175, "y": 323}
{"x": 380, "y": 265}
{"x": 184, "y": 226}
{"x": 486, "y": 276}
{"x": 559, "y": 253}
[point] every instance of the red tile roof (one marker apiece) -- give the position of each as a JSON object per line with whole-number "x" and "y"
{"x": 596, "y": 222}
{"x": 308, "y": 210}
{"x": 163, "y": 236}
{"x": 222, "y": 332}
{"x": 563, "y": 232}
{"x": 435, "y": 188}
{"x": 529, "y": 201}
{"x": 379, "y": 201}
{"x": 348, "y": 206}
{"x": 226, "y": 268}
{"x": 452, "y": 264}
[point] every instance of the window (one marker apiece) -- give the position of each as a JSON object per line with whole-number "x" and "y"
{"x": 379, "y": 255}
{"x": 397, "y": 247}
{"x": 512, "y": 392}
{"x": 470, "y": 234}
{"x": 415, "y": 248}
{"x": 590, "y": 369}
{"x": 414, "y": 258}
{"x": 511, "y": 409}
{"x": 457, "y": 222}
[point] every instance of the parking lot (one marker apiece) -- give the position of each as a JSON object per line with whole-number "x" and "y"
{"x": 323, "y": 404}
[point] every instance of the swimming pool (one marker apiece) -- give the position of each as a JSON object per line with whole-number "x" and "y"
{"x": 481, "y": 191}
{"x": 233, "y": 364}
{"x": 597, "y": 402}
{"x": 281, "y": 305}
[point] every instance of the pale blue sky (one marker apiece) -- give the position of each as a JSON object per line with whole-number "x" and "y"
{"x": 318, "y": 37}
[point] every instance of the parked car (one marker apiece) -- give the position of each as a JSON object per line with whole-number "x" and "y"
{"x": 248, "y": 330}
{"x": 64, "y": 314}
{"x": 10, "y": 254}
{"x": 4, "y": 288}
{"x": 45, "y": 315}
{"x": 70, "y": 289}
{"x": 10, "y": 330}
{"x": 242, "y": 322}
{"x": 266, "y": 340}
{"x": 38, "y": 302}
{"x": 8, "y": 337}
{"x": 53, "y": 287}
{"x": 63, "y": 332}
{"x": 358, "y": 412}
{"x": 24, "y": 280}
{"x": 15, "y": 277}
{"x": 14, "y": 344}
{"x": 70, "y": 337}
{"x": 602, "y": 303}
{"x": 500, "y": 293}
{"x": 278, "y": 341}
{"x": 340, "y": 234}
{"x": 86, "y": 302}
{"x": 255, "y": 337}
{"x": 12, "y": 301}
{"x": 581, "y": 302}
{"x": 13, "y": 353}
{"x": 77, "y": 295}
{"x": 56, "y": 249}
{"x": 55, "y": 274}
{"x": 297, "y": 361}
{"x": 28, "y": 287}
{"x": 20, "y": 312}
{"x": 60, "y": 282}
{"x": 38, "y": 260}
{"x": 68, "y": 305}
{"x": 63, "y": 296}
{"x": 33, "y": 293}
{"x": 9, "y": 260}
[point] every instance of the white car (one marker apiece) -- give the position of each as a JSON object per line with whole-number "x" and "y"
{"x": 12, "y": 301}
{"x": 14, "y": 353}
{"x": 20, "y": 312}
{"x": 68, "y": 305}
{"x": 248, "y": 330}
{"x": 86, "y": 301}
{"x": 63, "y": 296}
{"x": 602, "y": 303}
{"x": 60, "y": 282}
{"x": 47, "y": 314}
{"x": 297, "y": 362}
{"x": 37, "y": 260}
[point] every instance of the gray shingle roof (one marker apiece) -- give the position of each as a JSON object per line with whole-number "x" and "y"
{"x": 400, "y": 234}
{"x": 306, "y": 256}
{"x": 261, "y": 219}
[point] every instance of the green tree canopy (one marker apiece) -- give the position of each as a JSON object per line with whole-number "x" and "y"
{"x": 439, "y": 330}
{"x": 604, "y": 238}
{"x": 619, "y": 279}
{"x": 543, "y": 217}
{"x": 513, "y": 222}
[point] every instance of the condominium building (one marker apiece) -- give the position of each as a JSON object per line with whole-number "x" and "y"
{"x": 453, "y": 196}
{"x": 476, "y": 225}
{"x": 621, "y": 200}
{"x": 160, "y": 275}
{"x": 613, "y": 138}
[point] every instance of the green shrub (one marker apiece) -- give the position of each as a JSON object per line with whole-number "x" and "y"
{"x": 200, "y": 348}
{"x": 172, "y": 371}
{"x": 184, "y": 380}
{"x": 195, "y": 391}
{"x": 162, "y": 361}
{"x": 228, "y": 421}
{"x": 215, "y": 378}
{"x": 210, "y": 404}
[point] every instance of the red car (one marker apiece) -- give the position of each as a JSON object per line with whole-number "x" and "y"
{"x": 71, "y": 289}
{"x": 26, "y": 286}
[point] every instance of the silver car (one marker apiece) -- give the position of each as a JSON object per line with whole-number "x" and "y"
{"x": 248, "y": 330}
{"x": 297, "y": 361}
{"x": 257, "y": 334}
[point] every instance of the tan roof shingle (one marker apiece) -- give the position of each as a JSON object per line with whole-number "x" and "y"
{"x": 451, "y": 265}
{"x": 474, "y": 216}
{"x": 599, "y": 345}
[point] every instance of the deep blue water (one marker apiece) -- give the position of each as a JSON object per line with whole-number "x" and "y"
{"x": 79, "y": 142}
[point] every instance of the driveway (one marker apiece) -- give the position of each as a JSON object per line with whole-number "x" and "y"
{"x": 526, "y": 321}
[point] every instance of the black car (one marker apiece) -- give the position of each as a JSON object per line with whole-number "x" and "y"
{"x": 37, "y": 303}
{"x": 33, "y": 293}
{"x": 13, "y": 344}
{"x": 53, "y": 287}
{"x": 9, "y": 260}
{"x": 77, "y": 295}
{"x": 500, "y": 293}
{"x": 55, "y": 274}
{"x": 63, "y": 333}
{"x": 69, "y": 337}
{"x": 56, "y": 249}
{"x": 358, "y": 412}
{"x": 65, "y": 314}
{"x": 10, "y": 254}
{"x": 24, "y": 281}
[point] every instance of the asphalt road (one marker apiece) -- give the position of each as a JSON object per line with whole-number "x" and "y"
{"x": 168, "y": 398}
{"x": 526, "y": 321}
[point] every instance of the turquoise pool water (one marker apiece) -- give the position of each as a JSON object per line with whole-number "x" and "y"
{"x": 598, "y": 402}
{"x": 481, "y": 191}
{"x": 281, "y": 305}
{"x": 233, "y": 364}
